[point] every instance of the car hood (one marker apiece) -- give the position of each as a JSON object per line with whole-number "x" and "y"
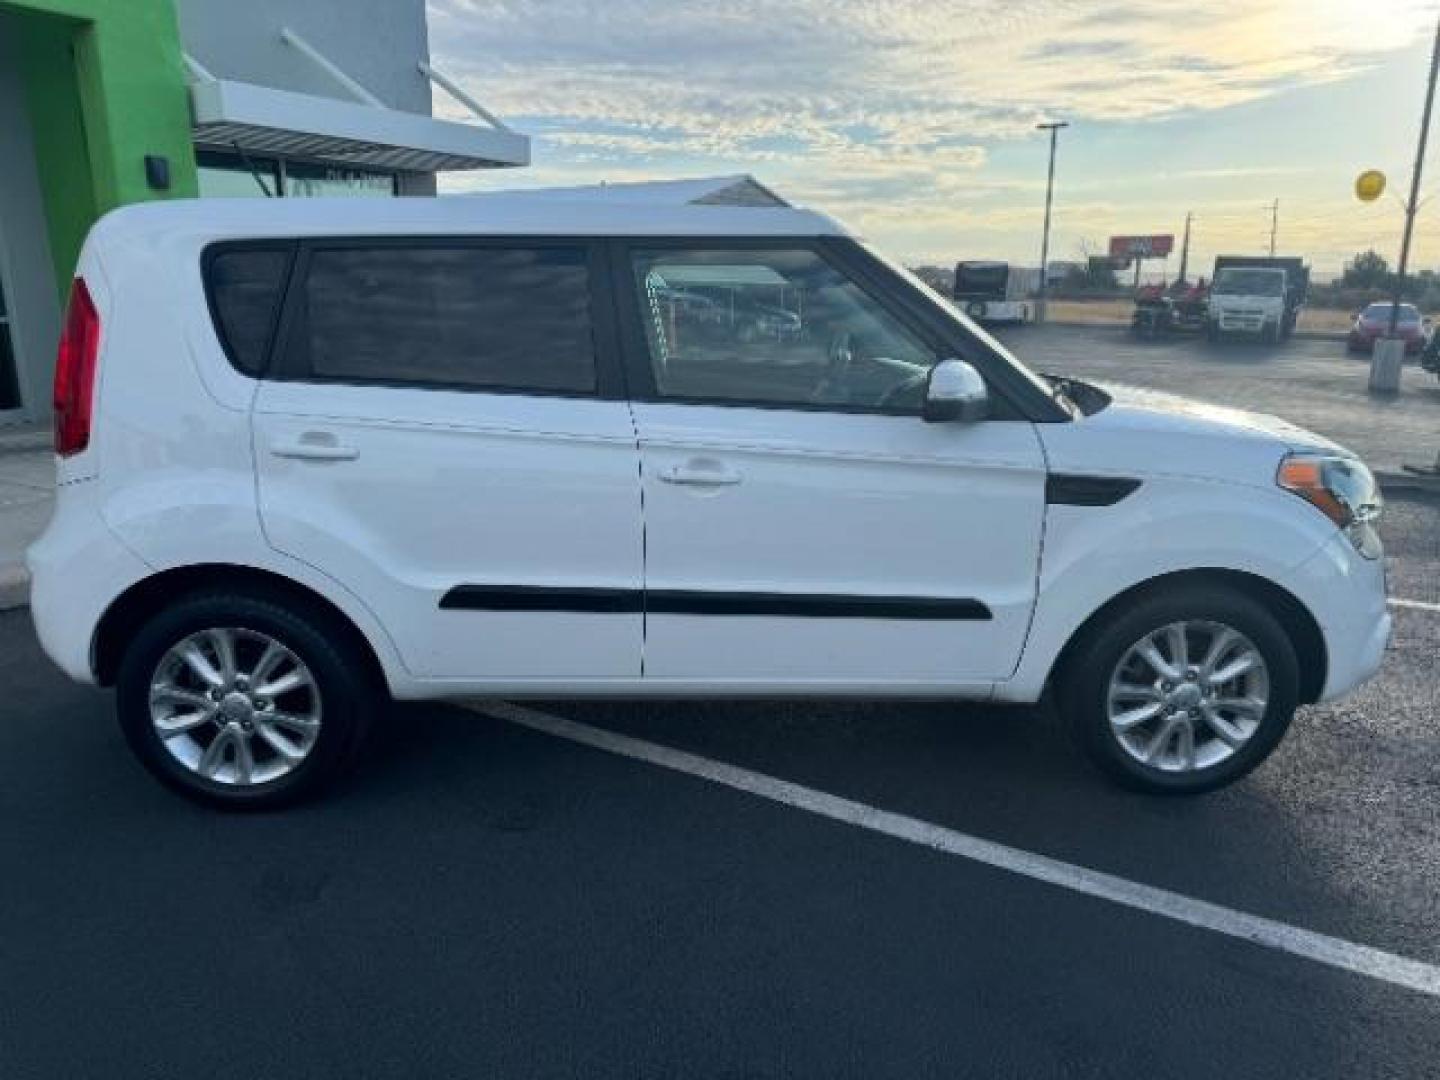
{"x": 1138, "y": 405}
{"x": 1149, "y": 432}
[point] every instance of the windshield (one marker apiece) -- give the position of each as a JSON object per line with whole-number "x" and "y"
{"x": 999, "y": 351}
{"x": 1408, "y": 312}
{"x": 1234, "y": 282}
{"x": 981, "y": 277}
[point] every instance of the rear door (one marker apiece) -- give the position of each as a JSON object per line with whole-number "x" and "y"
{"x": 443, "y": 433}
{"x": 805, "y": 528}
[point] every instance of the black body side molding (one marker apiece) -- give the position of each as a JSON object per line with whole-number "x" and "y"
{"x": 1066, "y": 489}
{"x": 699, "y": 602}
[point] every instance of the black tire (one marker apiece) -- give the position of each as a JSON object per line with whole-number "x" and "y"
{"x": 976, "y": 310}
{"x": 1083, "y": 684}
{"x": 351, "y": 691}
{"x": 1212, "y": 333}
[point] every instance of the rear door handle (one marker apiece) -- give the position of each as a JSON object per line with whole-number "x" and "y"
{"x": 702, "y": 472}
{"x": 314, "y": 446}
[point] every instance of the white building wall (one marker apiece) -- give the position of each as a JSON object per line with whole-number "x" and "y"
{"x": 376, "y": 42}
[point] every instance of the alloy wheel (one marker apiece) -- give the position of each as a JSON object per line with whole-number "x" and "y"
{"x": 1188, "y": 696}
{"x": 235, "y": 706}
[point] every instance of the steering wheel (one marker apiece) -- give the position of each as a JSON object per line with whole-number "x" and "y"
{"x": 838, "y": 357}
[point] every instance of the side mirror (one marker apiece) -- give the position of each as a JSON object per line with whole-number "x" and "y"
{"x": 955, "y": 391}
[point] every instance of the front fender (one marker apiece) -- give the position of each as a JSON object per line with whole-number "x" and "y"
{"x": 1093, "y": 554}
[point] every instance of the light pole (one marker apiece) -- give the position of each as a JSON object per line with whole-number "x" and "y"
{"x": 1185, "y": 247}
{"x": 1389, "y": 354}
{"x": 1054, "y": 128}
{"x": 1414, "y": 204}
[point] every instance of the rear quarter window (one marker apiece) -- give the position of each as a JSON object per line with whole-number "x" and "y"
{"x": 245, "y": 286}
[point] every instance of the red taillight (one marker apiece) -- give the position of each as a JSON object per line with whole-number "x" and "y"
{"x": 75, "y": 372}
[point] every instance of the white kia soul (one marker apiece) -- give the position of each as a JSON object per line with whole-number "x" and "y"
{"x": 317, "y": 455}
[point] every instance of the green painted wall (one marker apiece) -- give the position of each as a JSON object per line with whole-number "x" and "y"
{"x": 105, "y": 86}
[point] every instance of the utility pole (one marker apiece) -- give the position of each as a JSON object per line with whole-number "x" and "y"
{"x": 1274, "y": 224}
{"x": 1413, "y": 206}
{"x": 1054, "y": 128}
{"x": 1185, "y": 247}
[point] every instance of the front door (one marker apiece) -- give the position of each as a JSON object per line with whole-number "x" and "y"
{"x": 804, "y": 527}
{"x": 441, "y": 440}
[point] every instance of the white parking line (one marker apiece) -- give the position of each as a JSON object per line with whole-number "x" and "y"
{"x": 1336, "y": 952}
{"x": 1415, "y": 605}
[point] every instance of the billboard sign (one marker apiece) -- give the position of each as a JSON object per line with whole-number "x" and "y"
{"x": 1141, "y": 247}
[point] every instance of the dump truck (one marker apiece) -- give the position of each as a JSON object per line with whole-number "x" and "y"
{"x": 1257, "y": 296}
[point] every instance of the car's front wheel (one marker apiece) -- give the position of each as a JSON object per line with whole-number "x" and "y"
{"x": 1182, "y": 691}
{"x": 245, "y": 701}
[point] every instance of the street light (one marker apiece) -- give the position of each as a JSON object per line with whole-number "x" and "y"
{"x": 1054, "y": 128}
{"x": 1389, "y": 351}
{"x": 1414, "y": 204}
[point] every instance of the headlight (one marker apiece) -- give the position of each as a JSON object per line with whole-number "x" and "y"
{"x": 1342, "y": 489}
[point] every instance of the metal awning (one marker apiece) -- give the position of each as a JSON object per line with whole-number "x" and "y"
{"x": 363, "y": 132}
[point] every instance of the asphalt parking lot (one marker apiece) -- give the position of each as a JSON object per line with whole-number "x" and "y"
{"x": 1310, "y": 381}
{"x": 806, "y": 891}
{"x": 487, "y": 900}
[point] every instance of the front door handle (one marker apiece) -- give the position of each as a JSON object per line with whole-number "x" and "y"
{"x": 701, "y": 472}
{"x": 314, "y": 446}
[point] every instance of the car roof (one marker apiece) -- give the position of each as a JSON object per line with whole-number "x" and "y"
{"x": 517, "y": 214}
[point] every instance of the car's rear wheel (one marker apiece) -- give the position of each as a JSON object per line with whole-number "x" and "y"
{"x": 1183, "y": 691}
{"x": 245, "y": 702}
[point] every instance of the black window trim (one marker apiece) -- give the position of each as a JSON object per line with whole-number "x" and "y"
{"x": 1016, "y": 397}
{"x": 212, "y": 252}
{"x": 288, "y": 363}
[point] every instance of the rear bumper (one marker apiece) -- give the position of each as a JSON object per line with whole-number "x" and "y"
{"x": 77, "y": 568}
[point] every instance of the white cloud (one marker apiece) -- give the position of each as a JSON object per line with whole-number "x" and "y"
{"x": 874, "y": 107}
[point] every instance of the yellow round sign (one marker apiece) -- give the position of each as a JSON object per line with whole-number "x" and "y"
{"x": 1370, "y": 185}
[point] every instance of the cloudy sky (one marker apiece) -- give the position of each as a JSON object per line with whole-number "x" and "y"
{"x": 914, "y": 120}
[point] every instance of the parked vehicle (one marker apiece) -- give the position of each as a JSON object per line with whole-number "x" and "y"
{"x": 1430, "y": 356}
{"x": 314, "y": 455}
{"x": 991, "y": 292}
{"x": 741, "y": 306}
{"x": 1161, "y": 311}
{"x": 1256, "y": 296}
{"x": 754, "y": 321}
{"x": 1373, "y": 323}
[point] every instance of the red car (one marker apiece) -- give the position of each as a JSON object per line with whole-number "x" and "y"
{"x": 1374, "y": 322}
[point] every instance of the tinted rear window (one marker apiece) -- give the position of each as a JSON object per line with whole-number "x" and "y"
{"x": 515, "y": 318}
{"x": 245, "y": 288}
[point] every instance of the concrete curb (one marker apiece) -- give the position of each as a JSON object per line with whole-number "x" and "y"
{"x": 1405, "y": 481}
{"x": 14, "y": 586}
{"x": 25, "y": 439}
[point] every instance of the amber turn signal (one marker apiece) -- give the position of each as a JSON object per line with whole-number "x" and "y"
{"x": 1306, "y": 478}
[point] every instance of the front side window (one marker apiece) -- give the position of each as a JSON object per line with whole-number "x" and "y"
{"x": 503, "y": 318}
{"x": 773, "y": 327}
